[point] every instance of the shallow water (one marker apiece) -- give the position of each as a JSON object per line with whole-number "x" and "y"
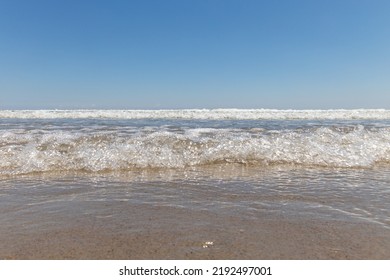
{"x": 342, "y": 194}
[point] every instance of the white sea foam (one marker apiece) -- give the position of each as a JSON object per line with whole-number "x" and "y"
{"x": 209, "y": 114}
{"x": 41, "y": 151}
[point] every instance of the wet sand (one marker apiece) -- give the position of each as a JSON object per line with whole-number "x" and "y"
{"x": 152, "y": 232}
{"x": 223, "y": 212}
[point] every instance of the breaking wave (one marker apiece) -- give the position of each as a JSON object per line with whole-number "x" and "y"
{"x": 25, "y": 151}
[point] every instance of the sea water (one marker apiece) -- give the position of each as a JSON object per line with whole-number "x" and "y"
{"x": 311, "y": 164}
{"x": 96, "y": 141}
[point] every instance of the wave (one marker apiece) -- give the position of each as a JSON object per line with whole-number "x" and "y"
{"x": 44, "y": 151}
{"x": 209, "y": 114}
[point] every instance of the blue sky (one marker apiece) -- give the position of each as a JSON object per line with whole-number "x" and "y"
{"x": 194, "y": 54}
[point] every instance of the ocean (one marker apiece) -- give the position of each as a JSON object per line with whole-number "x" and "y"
{"x": 194, "y": 184}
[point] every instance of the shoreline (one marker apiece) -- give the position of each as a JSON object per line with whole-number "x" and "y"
{"x": 152, "y": 232}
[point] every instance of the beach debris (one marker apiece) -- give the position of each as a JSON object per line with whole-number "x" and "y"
{"x": 207, "y": 244}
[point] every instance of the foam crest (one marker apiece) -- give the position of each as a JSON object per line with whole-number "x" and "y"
{"x": 44, "y": 151}
{"x": 208, "y": 114}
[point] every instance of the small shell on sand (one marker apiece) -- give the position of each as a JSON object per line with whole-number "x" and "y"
{"x": 207, "y": 244}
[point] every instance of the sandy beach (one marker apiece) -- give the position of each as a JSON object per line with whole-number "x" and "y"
{"x": 169, "y": 233}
